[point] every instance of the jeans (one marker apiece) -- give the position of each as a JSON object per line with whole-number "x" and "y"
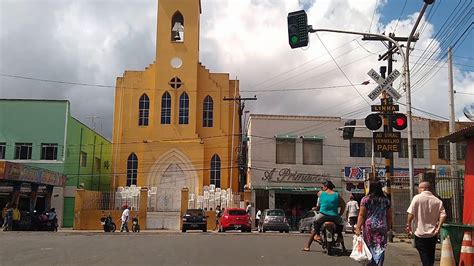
{"x": 426, "y": 248}
{"x": 124, "y": 226}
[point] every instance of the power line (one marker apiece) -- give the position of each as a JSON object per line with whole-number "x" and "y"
{"x": 342, "y": 71}
{"x": 373, "y": 14}
{"x": 400, "y": 16}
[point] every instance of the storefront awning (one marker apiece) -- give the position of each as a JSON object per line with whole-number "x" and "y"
{"x": 313, "y": 137}
{"x": 292, "y": 189}
{"x": 284, "y": 136}
{"x": 10, "y": 171}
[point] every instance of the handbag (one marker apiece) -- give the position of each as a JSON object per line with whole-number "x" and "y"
{"x": 360, "y": 251}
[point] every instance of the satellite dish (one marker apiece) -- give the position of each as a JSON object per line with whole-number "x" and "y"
{"x": 469, "y": 111}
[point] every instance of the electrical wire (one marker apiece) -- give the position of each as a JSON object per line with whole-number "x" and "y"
{"x": 342, "y": 71}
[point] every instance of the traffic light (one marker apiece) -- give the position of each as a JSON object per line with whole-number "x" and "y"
{"x": 373, "y": 121}
{"x": 348, "y": 130}
{"x": 298, "y": 29}
{"x": 399, "y": 121}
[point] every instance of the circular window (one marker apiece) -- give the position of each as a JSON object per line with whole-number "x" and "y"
{"x": 175, "y": 83}
{"x": 176, "y": 62}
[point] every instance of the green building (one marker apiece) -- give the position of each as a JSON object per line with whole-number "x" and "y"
{"x": 42, "y": 133}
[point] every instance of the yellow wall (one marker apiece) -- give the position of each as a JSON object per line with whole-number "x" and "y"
{"x": 196, "y": 143}
{"x": 86, "y": 219}
{"x": 440, "y": 129}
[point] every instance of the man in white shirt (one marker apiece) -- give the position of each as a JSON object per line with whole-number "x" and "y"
{"x": 257, "y": 219}
{"x": 124, "y": 218}
{"x": 429, "y": 215}
{"x": 352, "y": 212}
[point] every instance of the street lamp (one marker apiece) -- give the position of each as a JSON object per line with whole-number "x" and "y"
{"x": 408, "y": 91}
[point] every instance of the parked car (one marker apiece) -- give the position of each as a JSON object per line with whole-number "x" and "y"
{"x": 306, "y": 223}
{"x": 235, "y": 219}
{"x": 274, "y": 220}
{"x": 194, "y": 219}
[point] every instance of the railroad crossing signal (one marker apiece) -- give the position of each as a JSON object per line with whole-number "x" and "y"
{"x": 384, "y": 84}
{"x": 399, "y": 121}
{"x": 373, "y": 121}
{"x": 387, "y": 141}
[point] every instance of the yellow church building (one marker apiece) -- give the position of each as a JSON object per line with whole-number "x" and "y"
{"x": 172, "y": 128}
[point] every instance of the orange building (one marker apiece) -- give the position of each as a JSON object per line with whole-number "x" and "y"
{"x": 172, "y": 128}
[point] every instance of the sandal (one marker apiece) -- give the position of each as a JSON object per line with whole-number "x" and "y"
{"x": 319, "y": 240}
{"x": 305, "y": 249}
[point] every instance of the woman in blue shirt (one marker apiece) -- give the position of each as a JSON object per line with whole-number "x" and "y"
{"x": 331, "y": 208}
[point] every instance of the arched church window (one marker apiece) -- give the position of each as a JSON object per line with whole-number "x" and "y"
{"x": 184, "y": 108}
{"x": 143, "y": 110}
{"x": 132, "y": 169}
{"x": 177, "y": 27}
{"x": 166, "y": 108}
{"x": 216, "y": 170}
{"x": 207, "y": 113}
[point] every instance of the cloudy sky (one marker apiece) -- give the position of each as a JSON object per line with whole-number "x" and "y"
{"x": 94, "y": 41}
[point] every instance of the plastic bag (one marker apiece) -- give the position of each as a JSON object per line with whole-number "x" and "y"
{"x": 360, "y": 251}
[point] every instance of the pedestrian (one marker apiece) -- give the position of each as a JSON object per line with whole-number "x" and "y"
{"x": 293, "y": 217}
{"x": 352, "y": 212}
{"x": 428, "y": 214}
{"x": 124, "y": 218}
{"x": 248, "y": 207}
{"x": 16, "y": 217}
{"x": 329, "y": 203}
{"x": 218, "y": 216}
{"x": 375, "y": 217}
{"x": 257, "y": 219}
{"x": 7, "y": 215}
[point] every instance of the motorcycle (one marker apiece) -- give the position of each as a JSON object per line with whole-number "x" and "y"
{"x": 135, "y": 225}
{"x": 43, "y": 222}
{"x": 330, "y": 238}
{"x": 107, "y": 223}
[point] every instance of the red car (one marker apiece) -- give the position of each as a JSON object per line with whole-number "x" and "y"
{"x": 235, "y": 219}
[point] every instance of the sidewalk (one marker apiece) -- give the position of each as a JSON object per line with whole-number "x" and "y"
{"x": 403, "y": 247}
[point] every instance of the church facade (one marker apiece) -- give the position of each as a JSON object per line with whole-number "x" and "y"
{"x": 172, "y": 128}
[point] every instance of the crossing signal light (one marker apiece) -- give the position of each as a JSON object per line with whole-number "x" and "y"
{"x": 373, "y": 121}
{"x": 399, "y": 121}
{"x": 348, "y": 131}
{"x": 298, "y": 29}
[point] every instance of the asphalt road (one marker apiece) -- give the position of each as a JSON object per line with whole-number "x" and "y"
{"x": 175, "y": 248}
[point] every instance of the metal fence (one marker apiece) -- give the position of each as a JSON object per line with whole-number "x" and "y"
{"x": 446, "y": 187}
{"x": 112, "y": 200}
{"x": 99, "y": 200}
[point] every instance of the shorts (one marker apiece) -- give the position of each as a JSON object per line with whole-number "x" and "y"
{"x": 353, "y": 220}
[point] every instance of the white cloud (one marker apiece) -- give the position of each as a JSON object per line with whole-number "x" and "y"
{"x": 96, "y": 41}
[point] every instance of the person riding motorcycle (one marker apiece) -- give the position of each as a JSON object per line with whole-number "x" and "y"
{"x": 329, "y": 203}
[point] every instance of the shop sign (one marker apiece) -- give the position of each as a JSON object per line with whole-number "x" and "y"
{"x": 355, "y": 173}
{"x": 355, "y": 187}
{"x": 285, "y": 175}
{"x": 26, "y": 173}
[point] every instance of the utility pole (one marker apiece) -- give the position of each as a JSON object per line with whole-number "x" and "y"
{"x": 241, "y": 158}
{"x": 387, "y": 123}
{"x": 452, "y": 145}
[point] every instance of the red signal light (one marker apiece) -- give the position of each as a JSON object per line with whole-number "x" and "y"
{"x": 399, "y": 121}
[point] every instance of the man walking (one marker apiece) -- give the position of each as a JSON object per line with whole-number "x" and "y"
{"x": 428, "y": 213}
{"x": 124, "y": 218}
{"x": 257, "y": 219}
{"x": 352, "y": 212}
